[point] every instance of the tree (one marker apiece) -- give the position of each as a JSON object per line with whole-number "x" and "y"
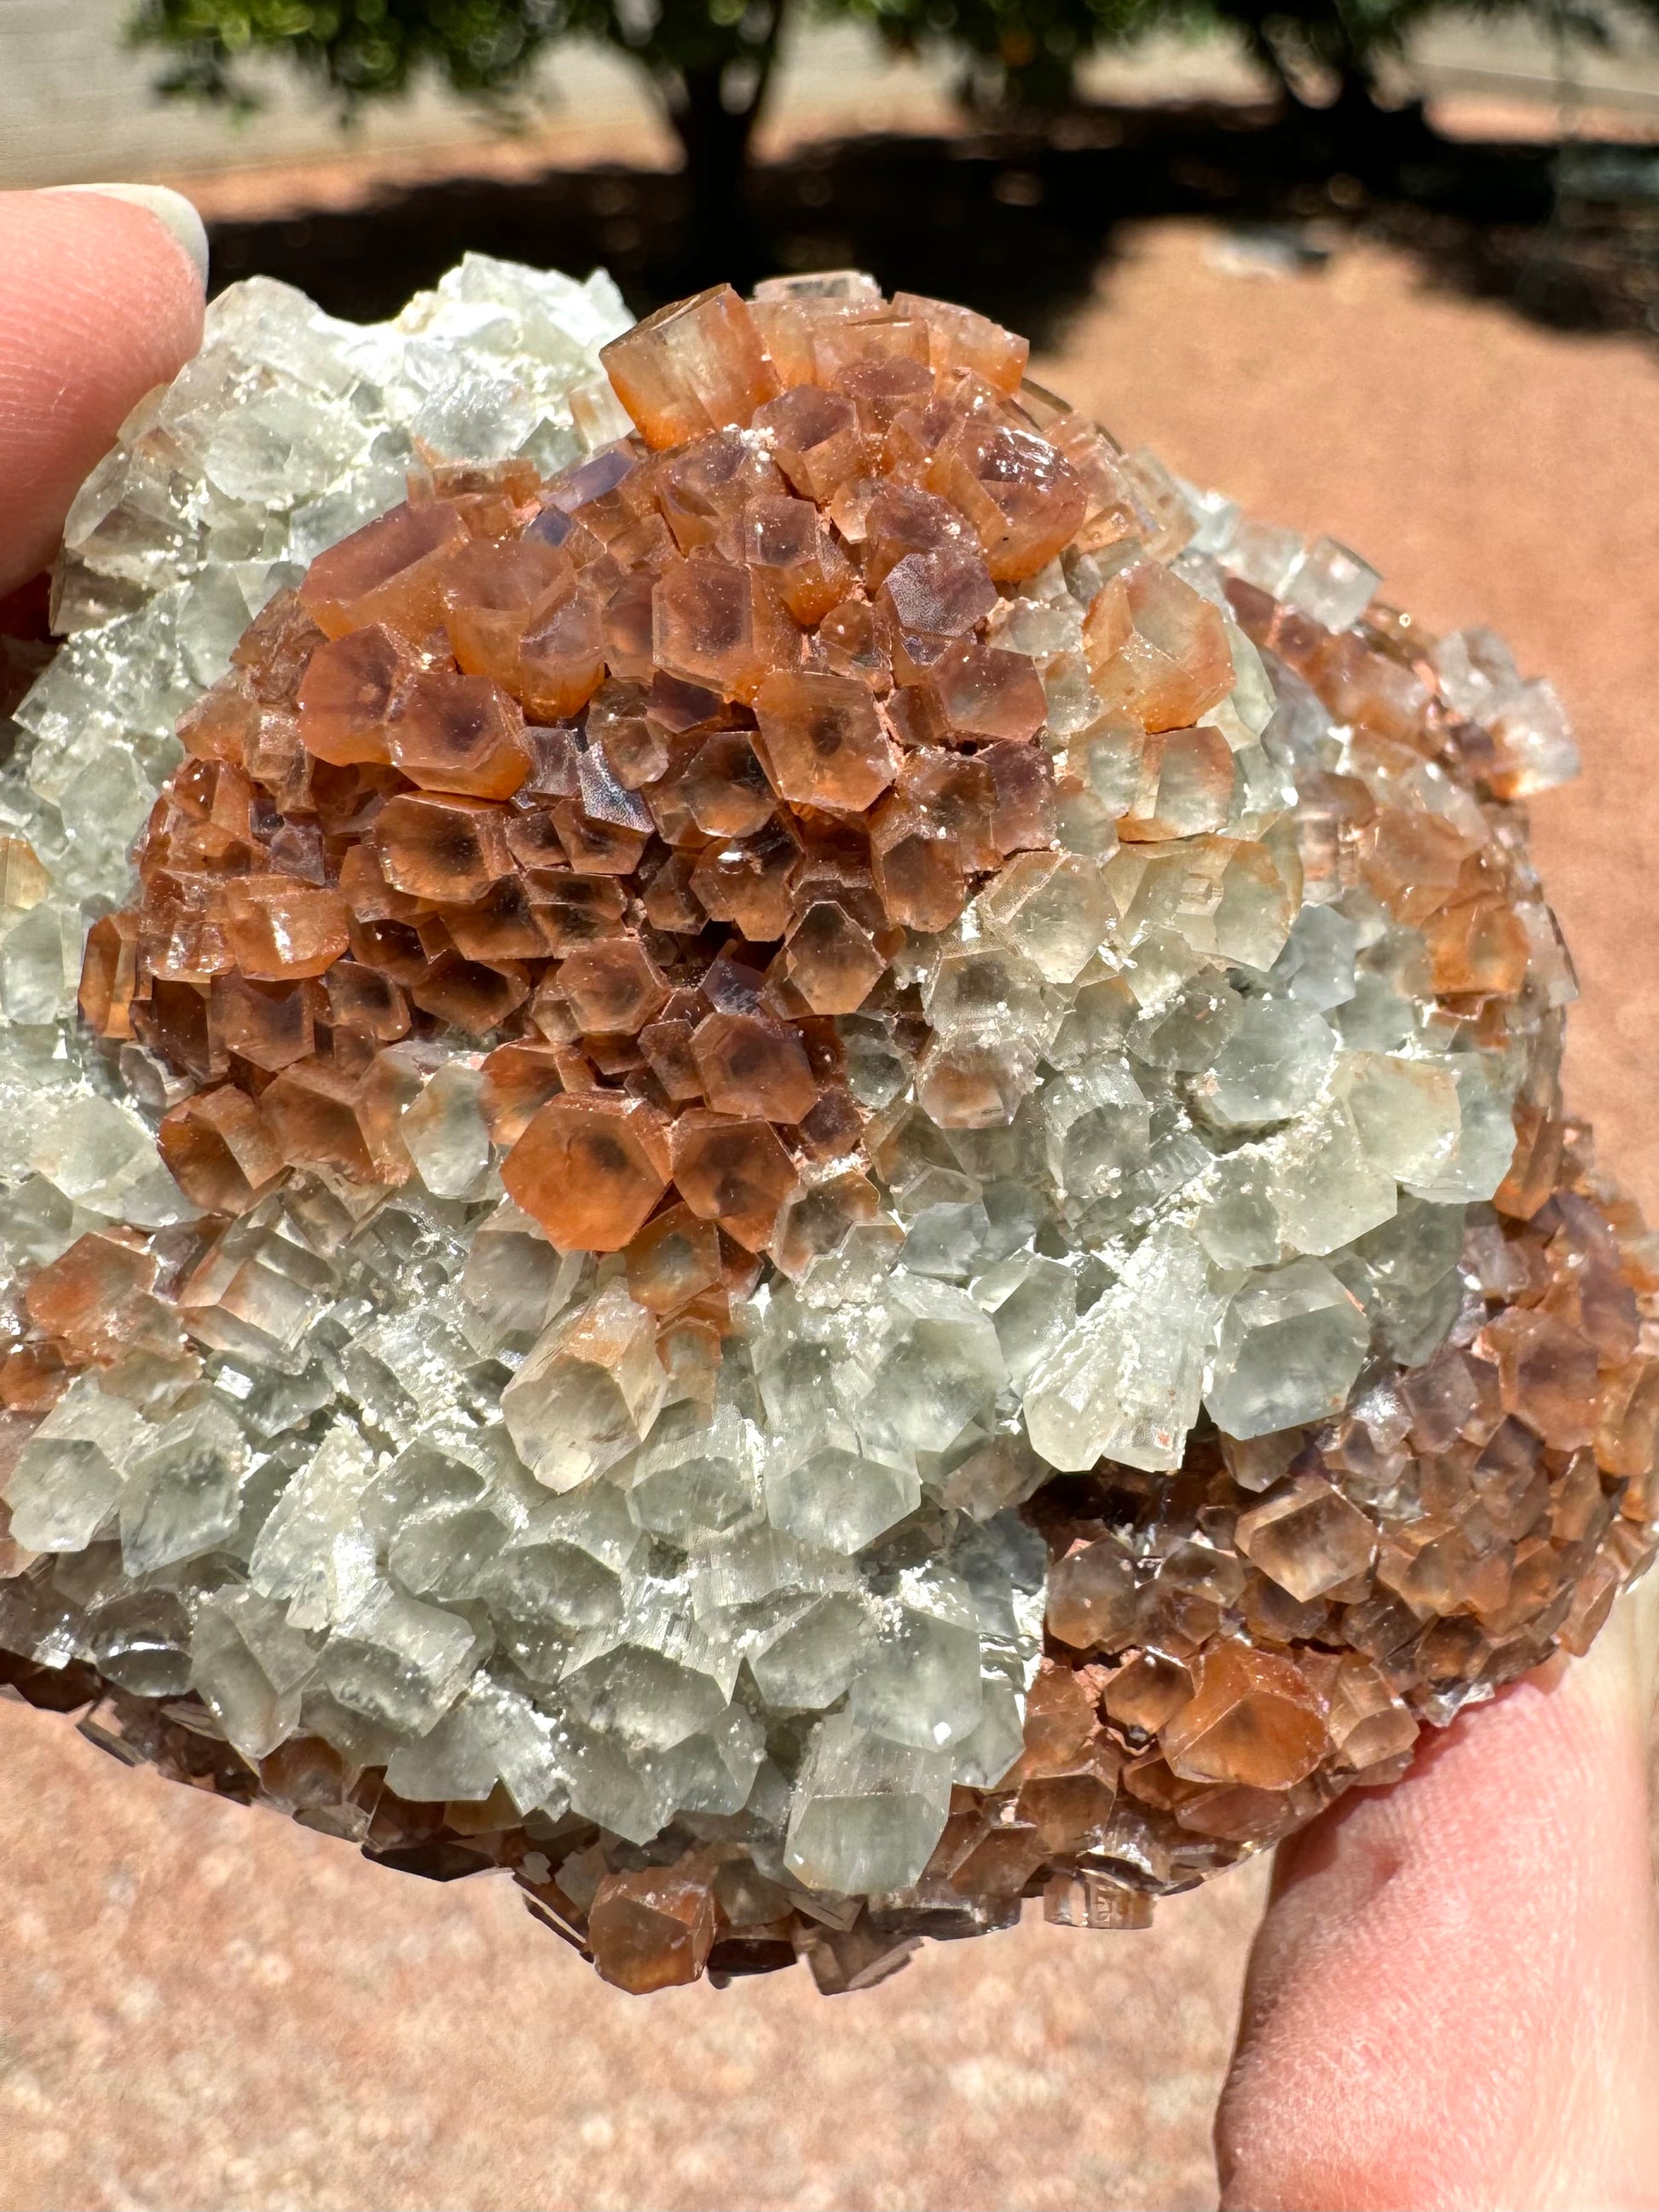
{"x": 1017, "y": 54}
{"x": 1025, "y": 52}
{"x": 710, "y": 62}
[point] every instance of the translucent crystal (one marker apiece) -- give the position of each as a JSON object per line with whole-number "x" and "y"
{"x": 1290, "y": 1346}
{"x": 921, "y": 1685}
{"x": 839, "y": 1491}
{"x": 397, "y": 1660}
{"x": 514, "y": 1275}
{"x": 1329, "y": 584}
{"x": 93, "y": 1151}
{"x": 692, "y": 1481}
{"x": 1324, "y": 1187}
{"x": 183, "y": 1491}
{"x": 1273, "y": 1063}
{"x": 444, "y": 1134}
{"x": 249, "y": 1666}
{"x": 1318, "y": 959}
{"x": 1097, "y": 1130}
{"x": 315, "y": 1552}
{"x": 867, "y": 1811}
{"x": 40, "y": 965}
{"x": 68, "y": 1478}
{"x": 588, "y": 1392}
{"x": 943, "y": 1367}
{"x": 809, "y": 1662}
{"x": 1117, "y": 1388}
{"x": 1408, "y": 1113}
{"x": 492, "y": 1734}
{"x": 653, "y": 1675}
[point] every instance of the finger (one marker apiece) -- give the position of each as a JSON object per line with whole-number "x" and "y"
{"x": 100, "y": 298}
{"x": 1453, "y": 1998}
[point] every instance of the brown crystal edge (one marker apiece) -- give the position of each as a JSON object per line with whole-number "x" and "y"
{"x": 1160, "y": 1746}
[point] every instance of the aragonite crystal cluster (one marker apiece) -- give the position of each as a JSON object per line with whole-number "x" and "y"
{"x": 812, "y": 1176}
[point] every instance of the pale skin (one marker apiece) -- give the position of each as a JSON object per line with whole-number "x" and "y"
{"x": 1453, "y": 1997}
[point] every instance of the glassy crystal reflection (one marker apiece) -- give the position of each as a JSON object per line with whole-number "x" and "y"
{"x": 776, "y": 1010}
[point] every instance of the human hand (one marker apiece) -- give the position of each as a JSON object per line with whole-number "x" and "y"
{"x": 102, "y": 300}
{"x": 1453, "y": 1998}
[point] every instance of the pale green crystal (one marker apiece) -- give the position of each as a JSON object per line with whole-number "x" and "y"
{"x": 867, "y": 1811}
{"x": 1290, "y": 1346}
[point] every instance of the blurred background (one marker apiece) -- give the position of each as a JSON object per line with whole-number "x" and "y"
{"x": 1378, "y": 267}
{"x": 993, "y": 150}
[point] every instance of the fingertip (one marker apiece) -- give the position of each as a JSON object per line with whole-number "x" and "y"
{"x": 177, "y": 215}
{"x": 104, "y": 301}
{"x": 1453, "y": 1996}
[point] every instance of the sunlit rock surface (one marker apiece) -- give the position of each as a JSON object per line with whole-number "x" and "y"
{"x": 775, "y": 1010}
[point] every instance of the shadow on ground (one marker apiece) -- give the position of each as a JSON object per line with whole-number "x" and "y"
{"x": 1019, "y": 221}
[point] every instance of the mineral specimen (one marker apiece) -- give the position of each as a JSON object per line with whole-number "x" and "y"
{"x": 815, "y": 1177}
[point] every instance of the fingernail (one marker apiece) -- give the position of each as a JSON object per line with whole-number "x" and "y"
{"x": 171, "y": 210}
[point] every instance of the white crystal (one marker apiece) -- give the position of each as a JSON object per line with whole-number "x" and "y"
{"x": 1097, "y": 1129}
{"x": 1032, "y": 1302}
{"x": 314, "y": 1550}
{"x": 588, "y": 1393}
{"x": 183, "y": 1494}
{"x": 1054, "y": 907}
{"x": 1318, "y": 960}
{"x": 1406, "y": 1111}
{"x": 943, "y": 1366}
{"x": 94, "y": 1151}
{"x": 1124, "y": 1383}
{"x": 867, "y": 1811}
{"x": 922, "y": 1685}
{"x": 693, "y": 1481}
{"x": 444, "y": 1134}
{"x": 249, "y": 1666}
{"x": 1535, "y": 740}
{"x": 653, "y": 1674}
{"x": 1330, "y": 584}
{"x": 838, "y": 1491}
{"x": 41, "y": 965}
{"x": 69, "y": 1475}
{"x": 1271, "y": 1064}
{"x": 808, "y": 1663}
{"x": 398, "y": 1662}
{"x": 1290, "y": 1347}
{"x": 1477, "y": 672}
{"x": 1325, "y": 1188}
{"x": 492, "y": 1733}
{"x": 514, "y": 1276}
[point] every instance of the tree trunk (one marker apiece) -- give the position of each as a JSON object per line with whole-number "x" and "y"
{"x": 720, "y": 243}
{"x": 1267, "y": 56}
{"x": 714, "y": 106}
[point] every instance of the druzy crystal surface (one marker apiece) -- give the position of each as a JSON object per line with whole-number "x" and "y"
{"x": 777, "y": 1144}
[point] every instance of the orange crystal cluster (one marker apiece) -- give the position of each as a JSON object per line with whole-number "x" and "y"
{"x": 643, "y": 776}
{"x": 638, "y": 784}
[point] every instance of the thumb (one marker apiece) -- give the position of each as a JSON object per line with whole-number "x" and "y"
{"x": 102, "y": 299}
{"x": 1453, "y": 1997}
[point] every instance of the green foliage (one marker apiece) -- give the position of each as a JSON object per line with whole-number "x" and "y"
{"x": 362, "y": 49}
{"x": 1016, "y": 52}
{"x": 711, "y": 60}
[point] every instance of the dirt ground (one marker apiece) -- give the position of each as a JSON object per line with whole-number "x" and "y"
{"x": 204, "y": 2008}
